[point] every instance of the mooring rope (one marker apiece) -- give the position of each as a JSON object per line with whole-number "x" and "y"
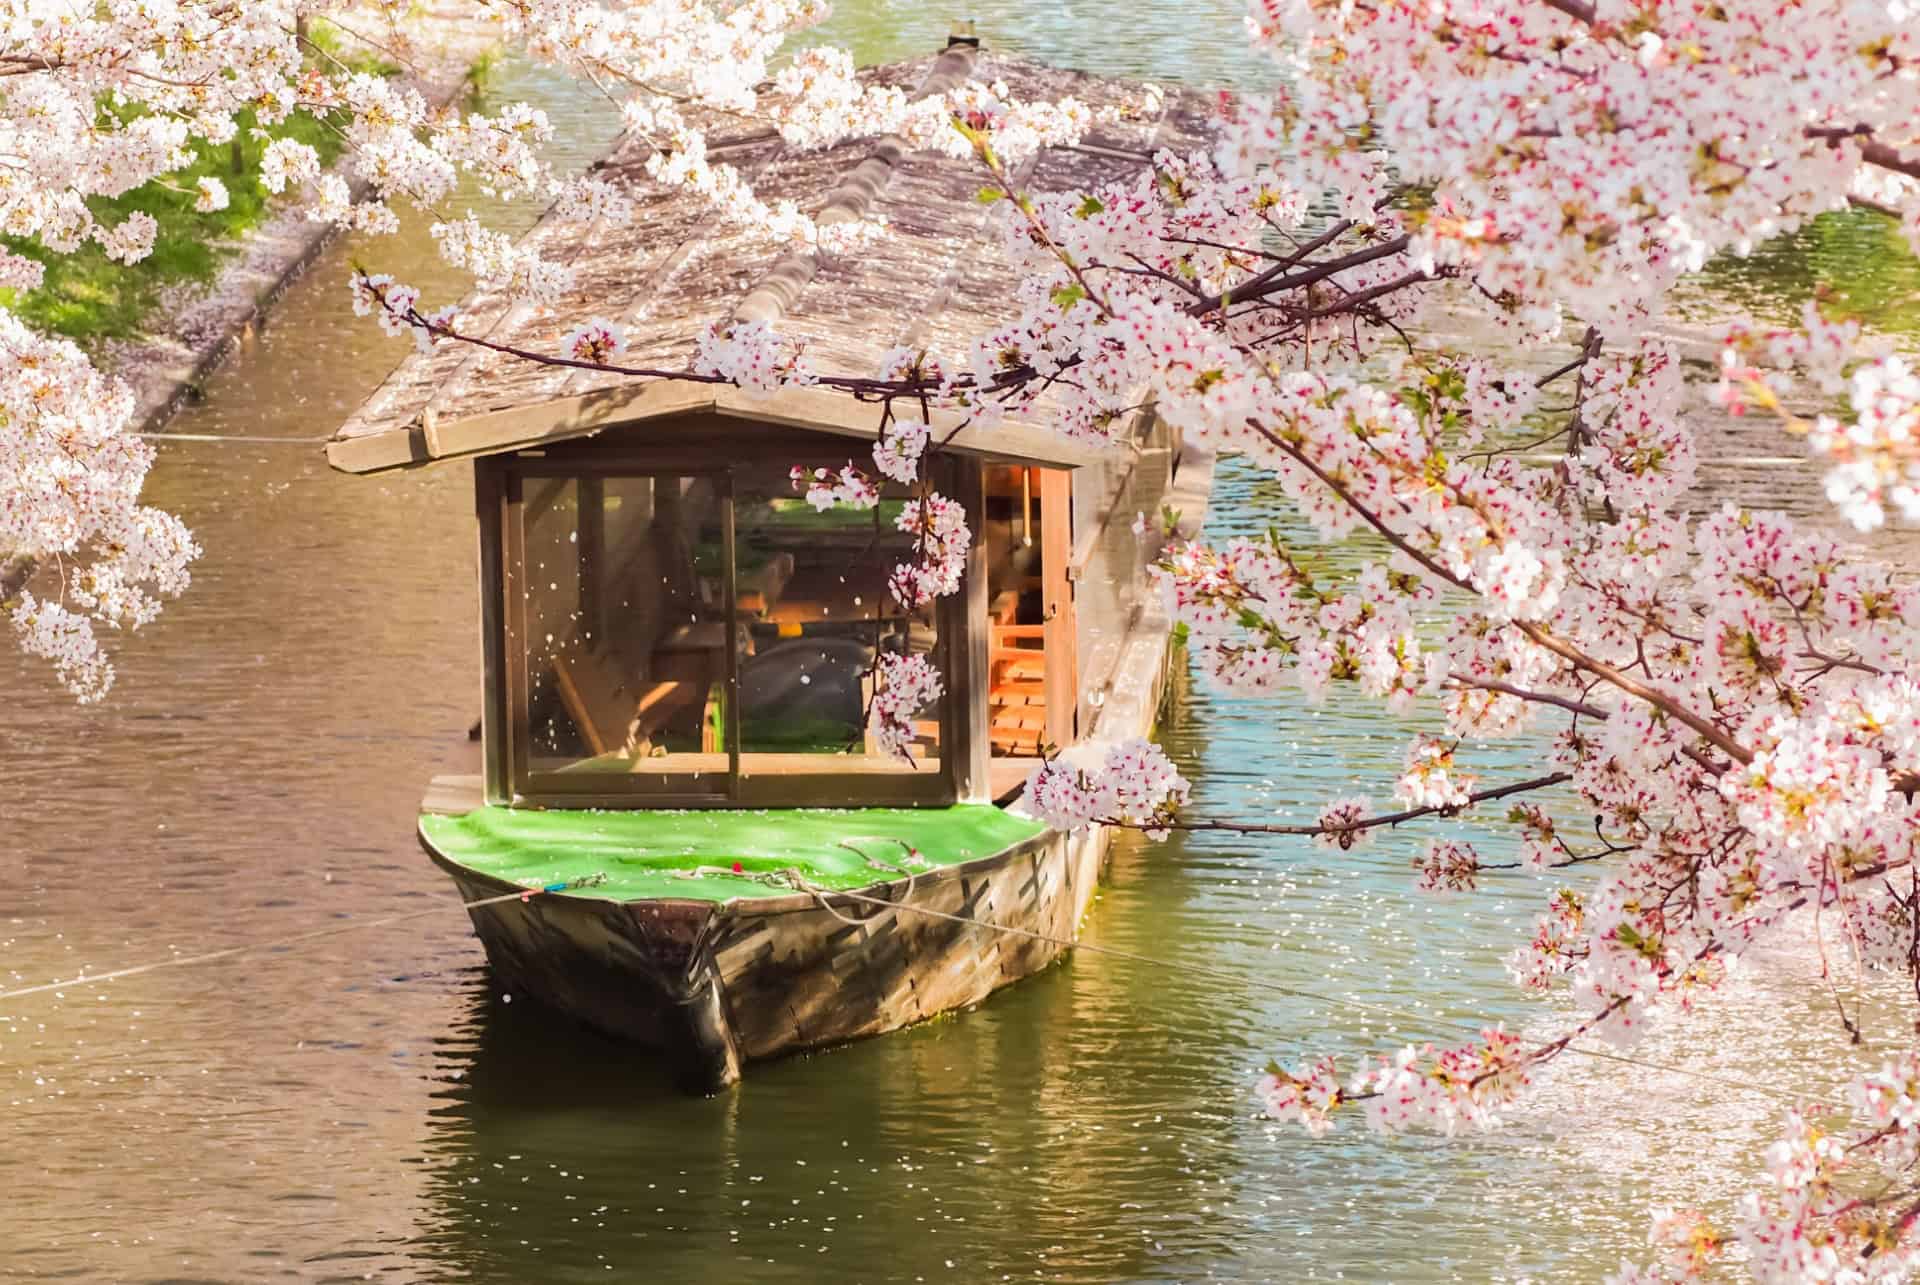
{"x": 1292, "y": 992}
{"x": 249, "y": 439}
{"x": 181, "y": 961}
{"x": 790, "y": 878}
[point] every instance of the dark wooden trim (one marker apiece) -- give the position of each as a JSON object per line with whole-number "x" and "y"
{"x": 513, "y": 615}
{"x": 616, "y": 464}
{"x": 826, "y": 790}
{"x": 969, "y": 663}
{"x": 830, "y": 790}
{"x": 490, "y": 507}
{"x": 730, "y": 595}
{"x": 644, "y": 787}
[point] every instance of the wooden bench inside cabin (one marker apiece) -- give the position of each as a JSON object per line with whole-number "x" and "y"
{"x": 614, "y": 714}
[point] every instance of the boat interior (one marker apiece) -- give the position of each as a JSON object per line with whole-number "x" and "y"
{"x": 672, "y": 632}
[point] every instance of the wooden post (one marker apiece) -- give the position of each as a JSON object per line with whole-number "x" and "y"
{"x": 730, "y": 717}
{"x": 969, "y": 675}
{"x": 1062, "y": 637}
{"x": 490, "y": 502}
{"x": 512, "y": 681}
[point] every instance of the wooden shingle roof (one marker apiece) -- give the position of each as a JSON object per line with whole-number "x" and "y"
{"x": 934, "y": 281}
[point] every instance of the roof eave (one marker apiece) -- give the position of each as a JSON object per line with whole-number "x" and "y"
{"x": 819, "y": 410}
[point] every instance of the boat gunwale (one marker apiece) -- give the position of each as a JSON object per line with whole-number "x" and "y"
{"x": 789, "y": 903}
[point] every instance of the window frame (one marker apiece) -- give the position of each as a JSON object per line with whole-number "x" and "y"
{"x": 500, "y": 485}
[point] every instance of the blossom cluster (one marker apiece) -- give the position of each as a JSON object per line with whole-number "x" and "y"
{"x": 1420, "y": 1087}
{"x": 825, "y": 487}
{"x": 1835, "y": 1205}
{"x": 70, "y": 481}
{"x": 1134, "y": 783}
{"x": 751, "y": 355}
{"x": 904, "y": 686}
{"x": 942, "y": 540}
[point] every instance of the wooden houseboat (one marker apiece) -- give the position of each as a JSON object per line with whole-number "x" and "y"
{"x": 677, "y": 648}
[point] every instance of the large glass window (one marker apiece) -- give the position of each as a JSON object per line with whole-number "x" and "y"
{"x": 708, "y": 636}
{"x": 626, "y": 627}
{"x": 818, "y": 614}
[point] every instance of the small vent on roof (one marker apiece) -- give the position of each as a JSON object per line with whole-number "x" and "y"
{"x": 963, "y": 34}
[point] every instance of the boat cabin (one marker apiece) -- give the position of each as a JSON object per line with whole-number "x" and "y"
{"x": 667, "y": 622}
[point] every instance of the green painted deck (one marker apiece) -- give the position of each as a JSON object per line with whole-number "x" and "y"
{"x": 648, "y": 853}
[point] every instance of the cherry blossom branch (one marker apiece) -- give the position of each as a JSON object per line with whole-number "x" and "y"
{"x": 1544, "y": 698}
{"x": 1653, "y": 696}
{"x": 1274, "y": 281}
{"x": 1365, "y": 823}
{"x": 1579, "y": 10}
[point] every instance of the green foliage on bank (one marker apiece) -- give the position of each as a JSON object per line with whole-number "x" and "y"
{"x": 89, "y": 298}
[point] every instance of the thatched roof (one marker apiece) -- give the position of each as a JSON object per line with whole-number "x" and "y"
{"x": 935, "y": 280}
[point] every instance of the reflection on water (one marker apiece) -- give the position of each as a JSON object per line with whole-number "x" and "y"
{"x": 1856, "y": 260}
{"x": 370, "y": 1105}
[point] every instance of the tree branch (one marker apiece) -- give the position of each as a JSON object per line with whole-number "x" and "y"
{"x": 1544, "y": 698}
{"x": 1633, "y": 687}
{"x": 1365, "y": 823}
{"x": 1575, "y": 9}
{"x": 1274, "y": 280}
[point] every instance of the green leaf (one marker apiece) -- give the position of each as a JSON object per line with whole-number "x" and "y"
{"x": 988, "y": 195}
{"x": 1089, "y": 207}
{"x": 1064, "y": 297}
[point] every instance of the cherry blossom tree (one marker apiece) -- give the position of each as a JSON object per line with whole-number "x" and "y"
{"x": 1734, "y": 696}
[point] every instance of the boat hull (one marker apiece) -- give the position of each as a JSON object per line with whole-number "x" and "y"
{"x": 716, "y": 986}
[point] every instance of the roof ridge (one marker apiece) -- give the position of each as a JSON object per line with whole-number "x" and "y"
{"x": 770, "y": 297}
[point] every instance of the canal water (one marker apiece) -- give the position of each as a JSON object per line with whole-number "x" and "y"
{"x": 368, "y": 1105}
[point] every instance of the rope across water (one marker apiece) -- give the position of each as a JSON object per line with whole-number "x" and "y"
{"x": 790, "y": 878}
{"x": 182, "y": 961}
